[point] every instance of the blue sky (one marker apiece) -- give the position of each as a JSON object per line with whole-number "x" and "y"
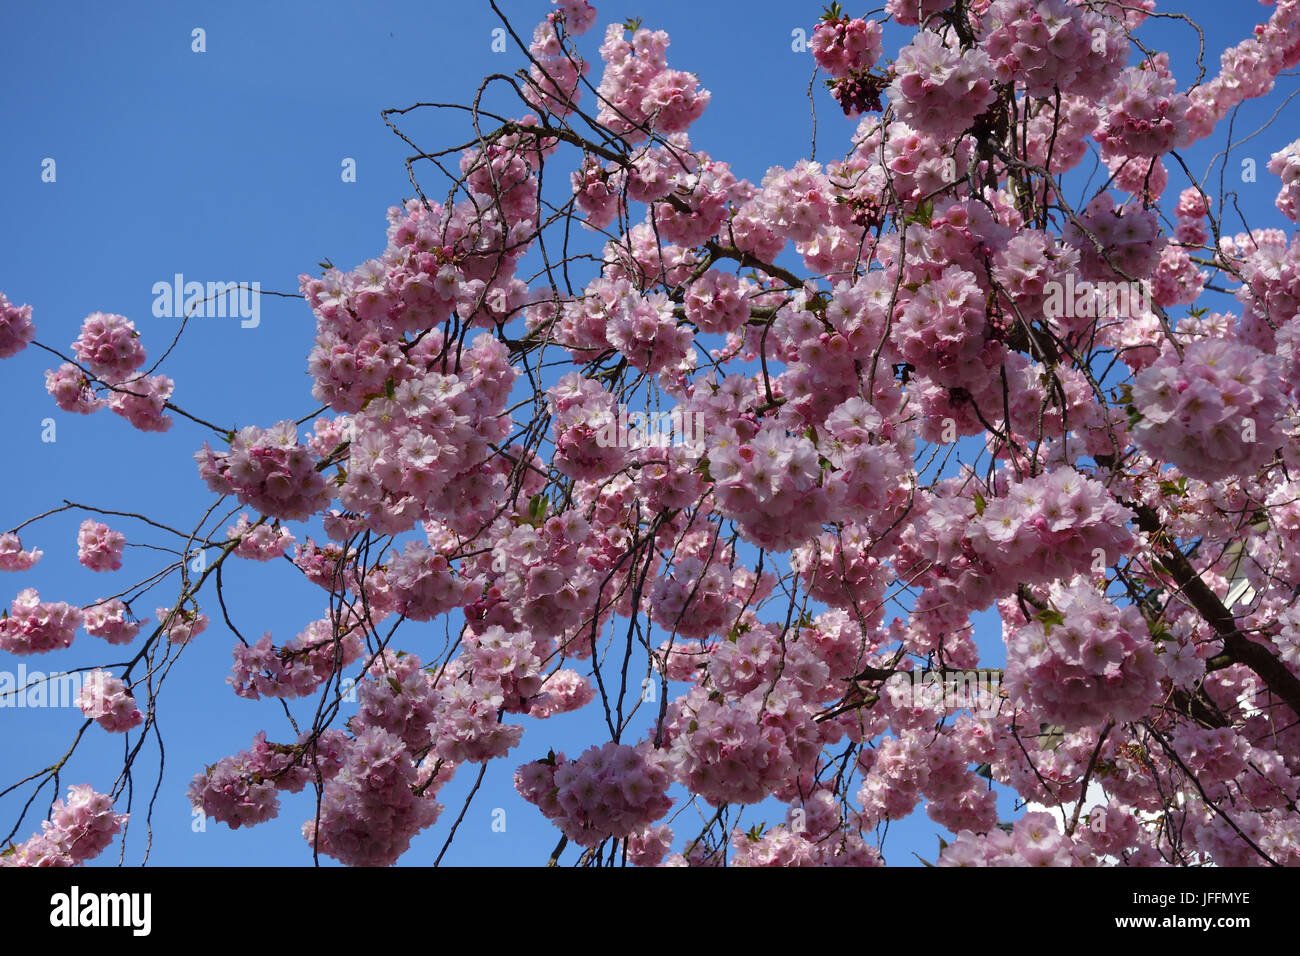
{"x": 225, "y": 166}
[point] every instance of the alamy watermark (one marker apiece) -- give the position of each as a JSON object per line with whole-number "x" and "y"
{"x": 1087, "y": 300}
{"x": 179, "y": 299}
{"x": 37, "y": 689}
{"x": 653, "y": 430}
{"x": 977, "y": 691}
{"x": 73, "y": 909}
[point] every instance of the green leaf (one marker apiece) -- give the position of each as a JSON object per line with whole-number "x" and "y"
{"x": 980, "y": 503}
{"x": 1175, "y": 489}
{"x": 537, "y": 508}
{"x": 923, "y": 214}
{"x": 1051, "y": 736}
{"x": 1049, "y": 618}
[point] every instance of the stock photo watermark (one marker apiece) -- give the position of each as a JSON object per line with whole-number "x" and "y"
{"x": 977, "y": 691}
{"x": 1085, "y": 299}
{"x": 76, "y": 909}
{"x": 213, "y": 300}
{"x": 37, "y": 689}
{"x": 637, "y": 430}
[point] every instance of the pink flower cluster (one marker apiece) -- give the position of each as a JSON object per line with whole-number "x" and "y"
{"x": 182, "y": 624}
{"x": 1050, "y": 44}
{"x": 1285, "y": 163}
{"x": 1269, "y": 266}
{"x": 243, "y": 789}
{"x": 106, "y": 700}
{"x": 1082, "y": 660}
{"x": 77, "y": 831}
{"x": 266, "y": 542}
{"x": 769, "y": 486}
{"x": 1191, "y": 211}
{"x": 269, "y": 470}
{"x": 399, "y": 698}
{"x": 142, "y": 401}
{"x": 545, "y": 579}
{"x": 1115, "y": 243}
{"x": 510, "y": 659}
{"x": 1214, "y": 412}
{"x": 1143, "y": 116}
{"x": 1051, "y": 526}
{"x": 469, "y": 728}
{"x": 939, "y": 88}
{"x": 741, "y": 752}
{"x": 1024, "y": 267}
{"x": 846, "y": 45}
{"x": 917, "y": 165}
{"x": 610, "y": 791}
{"x": 296, "y": 669}
{"x": 16, "y": 328}
{"x": 71, "y": 390}
{"x": 588, "y": 440}
{"x": 639, "y": 93}
{"x": 579, "y": 15}
{"x": 1248, "y": 69}
{"x": 109, "y": 346}
{"x": 847, "y": 49}
{"x": 912, "y": 13}
{"x": 903, "y": 769}
{"x": 943, "y": 332}
{"x": 99, "y": 547}
{"x": 555, "y": 74}
{"x": 794, "y": 203}
{"x": 718, "y": 301}
{"x": 644, "y": 330}
{"x": 563, "y": 691}
{"x": 1035, "y": 840}
{"x": 107, "y": 620}
{"x": 37, "y": 627}
{"x": 699, "y": 597}
{"x": 419, "y": 583}
{"x": 424, "y": 417}
{"x": 370, "y": 811}
{"x": 12, "y": 555}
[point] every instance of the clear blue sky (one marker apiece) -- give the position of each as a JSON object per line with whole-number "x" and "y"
{"x": 225, "y": 166}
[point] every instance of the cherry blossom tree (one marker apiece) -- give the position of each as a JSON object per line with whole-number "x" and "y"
{"x": 907, "y": 385}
